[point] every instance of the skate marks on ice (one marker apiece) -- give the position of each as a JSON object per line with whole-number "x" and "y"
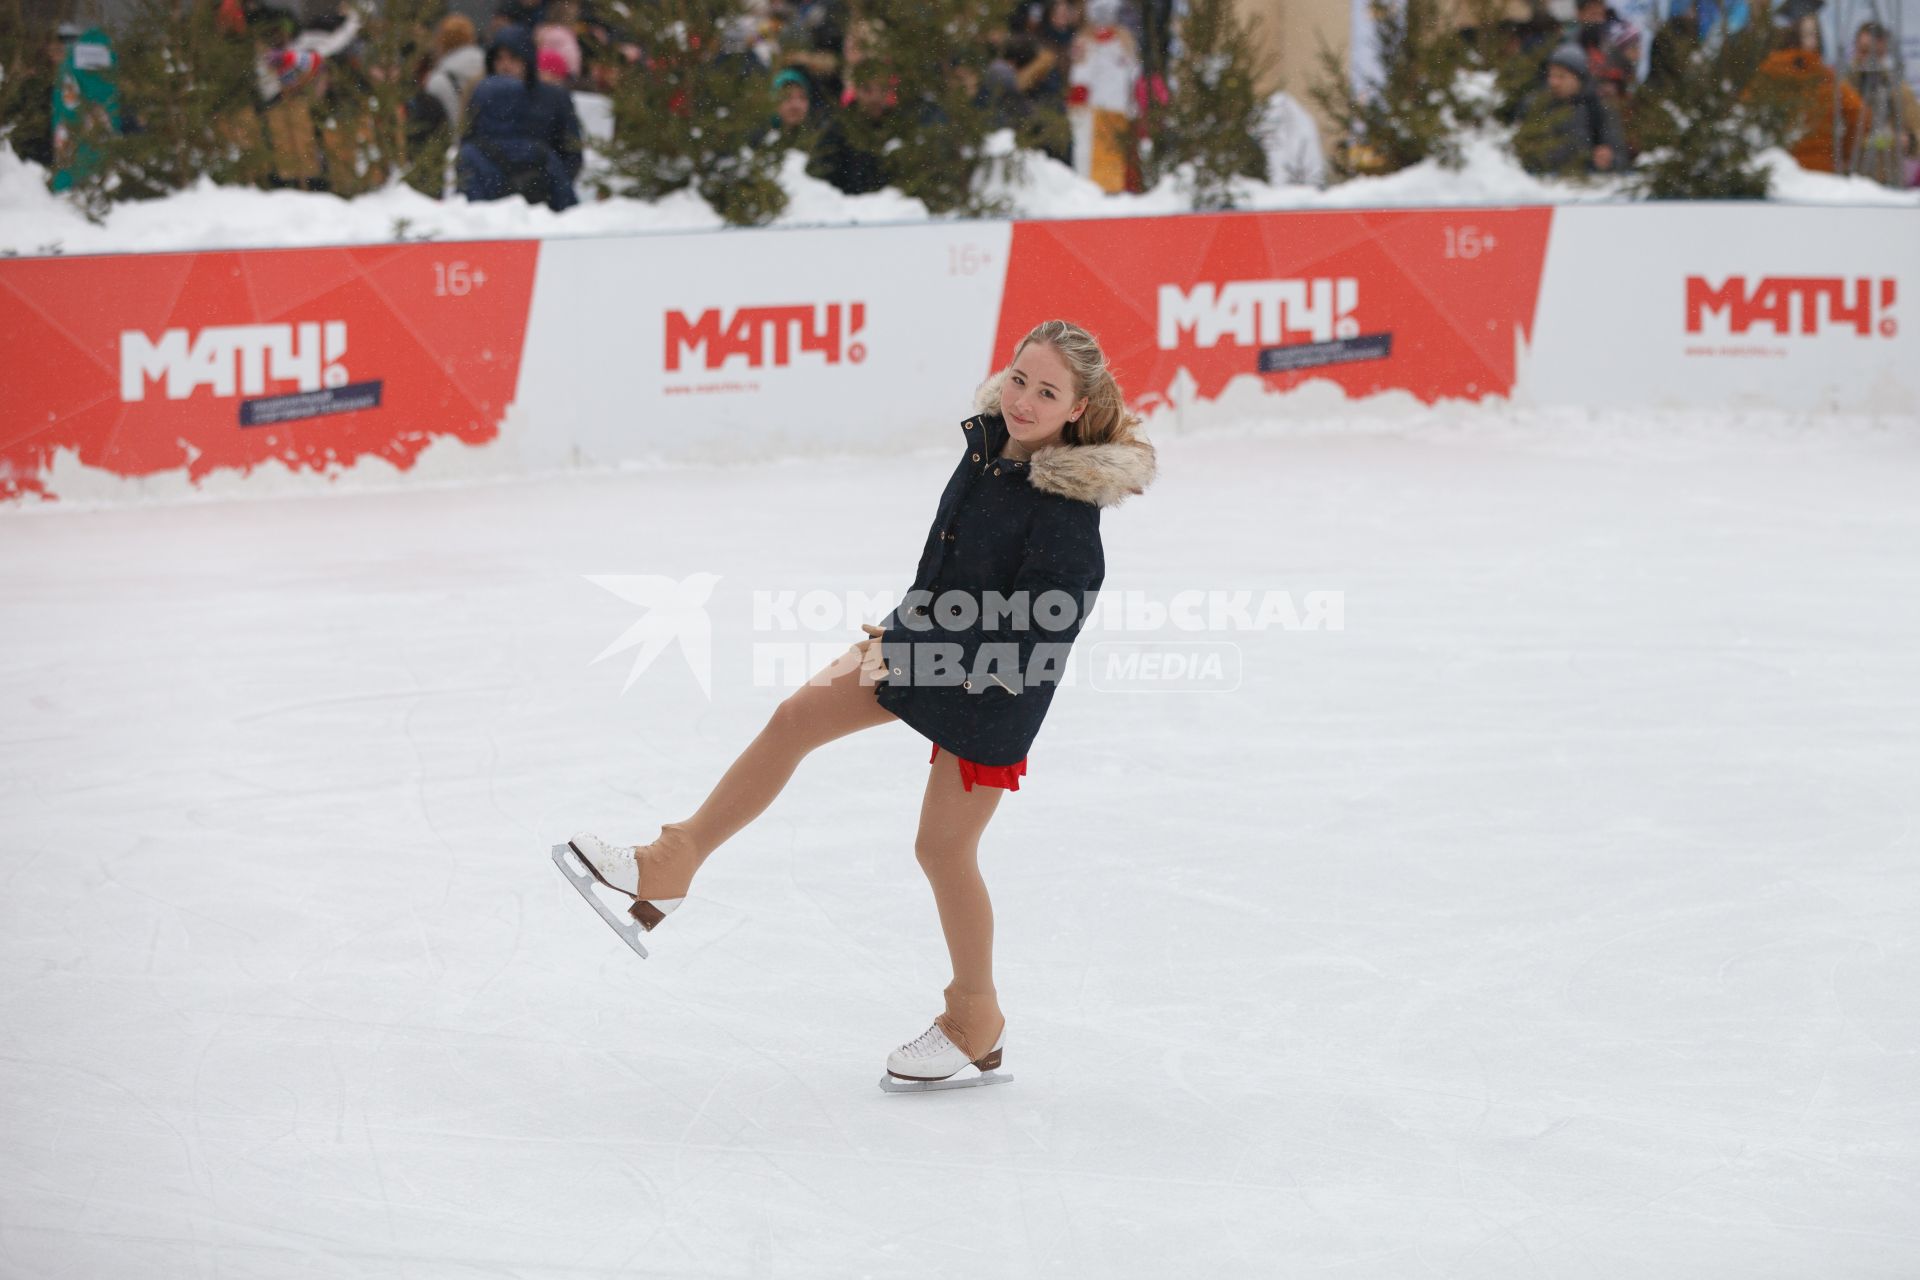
{"x": 573, "y": 867}
{"x": 893, "y": 1084}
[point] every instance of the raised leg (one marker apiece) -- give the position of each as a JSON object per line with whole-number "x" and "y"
{"x": 832, "y": 704}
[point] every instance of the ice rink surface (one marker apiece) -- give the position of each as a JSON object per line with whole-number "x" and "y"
{"x": 1556, "y": 918}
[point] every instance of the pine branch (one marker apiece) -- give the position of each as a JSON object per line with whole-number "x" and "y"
{"x": 1210, "y": 127}
{"x": 695, "y": 115}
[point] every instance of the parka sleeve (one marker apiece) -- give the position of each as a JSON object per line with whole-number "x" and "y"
{"x": 1051, "y": 595}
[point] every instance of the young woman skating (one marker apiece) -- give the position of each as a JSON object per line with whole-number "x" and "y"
{"x": 970, "y": 659}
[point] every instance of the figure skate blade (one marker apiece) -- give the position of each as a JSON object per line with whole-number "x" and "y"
{"x": 893, "y": 1084}
{"x": 574, "y": 868}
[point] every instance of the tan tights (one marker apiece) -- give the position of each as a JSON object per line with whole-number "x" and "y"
{"x": 832, "y": 705}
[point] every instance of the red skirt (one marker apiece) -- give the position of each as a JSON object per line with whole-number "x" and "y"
{"x": 987, "y": 775}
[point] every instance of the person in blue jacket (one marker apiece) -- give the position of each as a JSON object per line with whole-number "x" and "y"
{"x": 522, "y": 137}
{"x": 970, "y": 660}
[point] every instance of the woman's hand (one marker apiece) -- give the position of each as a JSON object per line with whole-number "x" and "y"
{"x": 873, "y": 662}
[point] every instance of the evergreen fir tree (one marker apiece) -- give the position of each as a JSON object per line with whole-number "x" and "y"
{"x": 695, "y": 114}
{"x": 926, "y": 54}
{"x": 359, "y": 119}
{"x": 1702, "y": 119}
{"x": 1502, "y": 84}
{"x": 26, "y": 83}
{"x": 187, "y": 103}
{"x": 1436, "y": 84}
{"x": 1210, "y": 124}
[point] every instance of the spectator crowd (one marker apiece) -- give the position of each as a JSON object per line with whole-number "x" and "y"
{"x": 493, "y": 110}
{"x": 1861, "y": 118}
{"x": 501, "y": 97}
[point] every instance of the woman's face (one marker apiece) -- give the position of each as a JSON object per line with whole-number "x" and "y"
{"x": 1037, "y": 397}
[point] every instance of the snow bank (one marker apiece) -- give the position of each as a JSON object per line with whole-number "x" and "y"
{"x": 34, "y": 222}
{"x": 1794, "y": 185}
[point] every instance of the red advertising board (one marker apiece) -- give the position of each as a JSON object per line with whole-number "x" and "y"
{"x": 1429, "y": 302}
{"x": 315, "y": 358}
{"x": 738, "y": 344}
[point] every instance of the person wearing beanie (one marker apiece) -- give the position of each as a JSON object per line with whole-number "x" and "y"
{"x": 1585, "y": 133}
{"x": 792, "y": 107}
{"x": 1573, "y": 58}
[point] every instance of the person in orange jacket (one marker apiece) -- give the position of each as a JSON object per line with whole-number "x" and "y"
{"x": 1797, "y": 69}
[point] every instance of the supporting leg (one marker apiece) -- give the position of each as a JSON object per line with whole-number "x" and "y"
{"x": 947, "y": 845}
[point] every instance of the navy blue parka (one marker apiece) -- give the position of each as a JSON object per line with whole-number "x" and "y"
{"x": 978, "y": 681}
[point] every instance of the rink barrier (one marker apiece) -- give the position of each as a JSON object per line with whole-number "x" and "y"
{"x": 136, "y": 376}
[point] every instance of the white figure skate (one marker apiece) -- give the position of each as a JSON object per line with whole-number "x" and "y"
{"x": 587, "y": 859}
{"x": 931, "y": 1061}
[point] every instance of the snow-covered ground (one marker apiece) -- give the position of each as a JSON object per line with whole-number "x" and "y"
{"x": 35, "y": 222}
{"x": 1556, "y": 917}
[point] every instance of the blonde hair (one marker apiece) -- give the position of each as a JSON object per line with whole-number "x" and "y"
{"x": 1106, "y": 419}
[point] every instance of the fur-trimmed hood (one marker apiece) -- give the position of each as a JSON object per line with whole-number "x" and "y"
{"x": 1103, "y": 474}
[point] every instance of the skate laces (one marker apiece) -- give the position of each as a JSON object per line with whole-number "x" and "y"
{"x": 931, "y": 1041}
{"x": 612, "y": 861}
{"x": 628, "y": 865}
